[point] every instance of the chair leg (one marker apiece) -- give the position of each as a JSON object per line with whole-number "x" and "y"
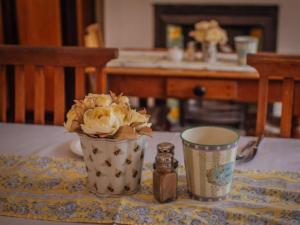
{"x": 262, "y": 105}
{"x": 287, "y": 107}
{"x": 3, "y": 94}
{"x": 101, "y": 81}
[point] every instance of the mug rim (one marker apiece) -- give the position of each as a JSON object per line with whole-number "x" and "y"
{"x": 245, "y": 38}
{"x": 212, "y": 145}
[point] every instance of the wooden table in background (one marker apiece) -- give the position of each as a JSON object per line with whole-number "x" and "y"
{"x": 202, "y": 84}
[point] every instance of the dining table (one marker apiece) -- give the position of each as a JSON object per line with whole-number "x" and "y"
{"x": 277, "y": 157}
{"x": 151, "y": 74}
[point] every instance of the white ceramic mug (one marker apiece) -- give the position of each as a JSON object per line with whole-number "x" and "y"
{"x": 175, "y": 54}
{"x": 245, "y": 45}
{"x": 209, "y": 158}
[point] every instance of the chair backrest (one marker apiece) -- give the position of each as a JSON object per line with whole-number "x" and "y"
{"x": 48, "y": 57}
{"x": 286, "y": 68}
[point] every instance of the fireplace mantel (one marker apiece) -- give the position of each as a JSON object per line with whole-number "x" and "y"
{"x": 263, "y": 16}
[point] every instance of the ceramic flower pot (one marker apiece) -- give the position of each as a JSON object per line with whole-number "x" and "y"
{"x": 209, "y": 158}
{"x": 114, "y": 167}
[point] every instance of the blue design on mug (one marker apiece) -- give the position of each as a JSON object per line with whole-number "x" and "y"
{"x": 221, "y": 175}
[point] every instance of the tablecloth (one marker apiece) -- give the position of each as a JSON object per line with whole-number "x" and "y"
{"x": 55, "y": 189}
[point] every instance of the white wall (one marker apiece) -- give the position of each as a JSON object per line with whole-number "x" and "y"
{"x": 130, "y": 23}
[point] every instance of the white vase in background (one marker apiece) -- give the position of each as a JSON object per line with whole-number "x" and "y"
{"x": 175, "y": 54}
{"x": 209, "y": 52}
{"x": 114, "y": 167}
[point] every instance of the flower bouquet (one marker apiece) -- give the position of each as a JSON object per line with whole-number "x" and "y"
{"x": 112, "y": 137}
{"x": 209, "y": 34}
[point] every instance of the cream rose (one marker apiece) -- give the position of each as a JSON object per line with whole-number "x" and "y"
{"x": 96, "y": 100}
{"x": 122, "y": 112}
{"x": 124, "y": 100}
{"x": 75, "y": 116}
{"x": 120, "y": 100}
{"x": 214, "y": 35}
{"x": 213, "y": 24}
{"x": 140, "y": 119}
{"x": 101, "y": 121}
{"x": 107, "y": 116}
{"x": 209, "y": 31}
{"x": 203, "y": 25}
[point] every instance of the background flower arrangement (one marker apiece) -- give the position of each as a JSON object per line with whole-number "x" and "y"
{"x": 209, "y": 34}
{"x": 209, "y": 31}
{"x": 107, "y": 116}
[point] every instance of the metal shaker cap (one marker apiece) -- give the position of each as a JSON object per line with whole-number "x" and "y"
{"x": 165, "y": 147}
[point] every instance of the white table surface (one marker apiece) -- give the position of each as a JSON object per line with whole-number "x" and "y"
{"x": 273, "y": 154}
{"x": 160, "y": 59}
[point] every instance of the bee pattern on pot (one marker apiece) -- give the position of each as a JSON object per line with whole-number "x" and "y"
{"x": 108, "y": 163}
{"x": 87, "y": 169}
{"x": 128, "y": 160}
{"x": 95, "y": 186}
{"x": 117, "y": 152}
{"x": 110, "y": 189}
{"x": 98, "y": 173}
{"x": 95, "y": 150}
{"x": 126, "y": 188}
{"x": 139, "y": 180}
{"x": 142, "y": 155}
{"x": 134, "y": 173}
{"x": 136, "y": 148}
{"x": 90, "y": 157}
{"x": 118, "y": 174}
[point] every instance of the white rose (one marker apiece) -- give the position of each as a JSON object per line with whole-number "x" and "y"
{"x": 224, "y": 38}
{"x": 137, "y": 117}
{"x": 203, "y": 25}
{"x": 124, "y": 100}
{"x": 213, "y": 24}
{"x": 140, "y": 119}
{"x": 71, "y": 124}
{"x": 96, "y": 100}
{"x": 214, "y": 35}
{"x": 199, "y": 35}
{"x": 122, "y": 112}
{"x": 75, "y": 116}
{"x": 120, "y": 99}
{"x": 100, "y": 121}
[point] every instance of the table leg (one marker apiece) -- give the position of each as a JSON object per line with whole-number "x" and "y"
{"x": 296, "y": 121}
{"x": 182, "y": 105}
{"x": 296, "y": 127}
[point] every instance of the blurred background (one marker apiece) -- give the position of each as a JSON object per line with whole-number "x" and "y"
{"x": 150, "y": 24}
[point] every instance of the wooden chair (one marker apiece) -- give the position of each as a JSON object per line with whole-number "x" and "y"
{"x": 93, "y": 39}
{"x": 283, "y": 67}
{"x": 48, "y": 57}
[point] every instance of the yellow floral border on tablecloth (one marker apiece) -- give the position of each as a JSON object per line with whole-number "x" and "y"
{"x": 55, "y": 189}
